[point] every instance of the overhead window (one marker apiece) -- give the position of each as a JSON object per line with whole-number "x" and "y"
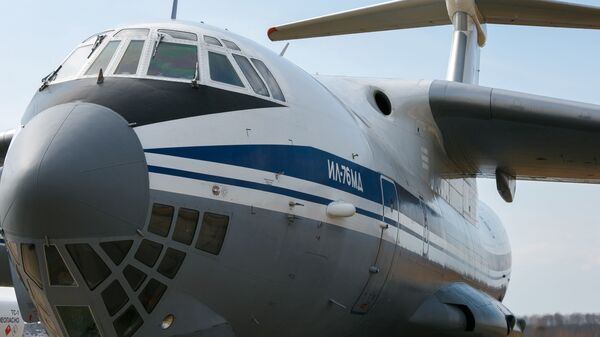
{"x": 78, "y": 321}
{"x": 91, "y": 266}
{"x": 133, "y": 32}
{"x": 174, "y": 60}
{"x": 104, "y": 58}
{"x": 58, "y": 273}
{"x": 73, "y": 64}
{"x": 131, "y": 59}
{"x": 252, "y": 76}
{"x": 31, "y": 264}
{"x": 128, "y": 323}
{"x": 212, "y": 233}
{"x": 221, "y": 70}
{"x": 179, "y": 34}
{"x": 185, "y": 228}
{"x": 160, "y": 220}
{"x": 231, "y": 45}
{"x": 212, "y": 40}
{"x": 271, "y": 82}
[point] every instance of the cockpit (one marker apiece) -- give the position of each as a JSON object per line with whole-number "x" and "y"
{"x": 170, "y": 55}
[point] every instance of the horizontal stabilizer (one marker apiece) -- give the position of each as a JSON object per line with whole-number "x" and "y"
{"x": 526, "y": 136}
{"x": 403, "y": 14}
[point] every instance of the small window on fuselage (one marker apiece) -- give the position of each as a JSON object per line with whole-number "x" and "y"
{"x": 174, "y": 60}
{"x": 212, "y": 41}
{"x": 231, "y": 45}
{"x": 221, "y": 69}
{"x": 133, "y": 33}
{"x": 179, "y": 35}
{"x": 131, "y": 59}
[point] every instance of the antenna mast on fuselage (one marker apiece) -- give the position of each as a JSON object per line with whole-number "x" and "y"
{"x": 174, "y": 10}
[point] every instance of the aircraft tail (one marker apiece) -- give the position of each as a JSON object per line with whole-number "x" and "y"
{"x": 467, "y": 16}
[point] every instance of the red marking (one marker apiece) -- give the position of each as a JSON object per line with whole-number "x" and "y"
{"x": 7, "y": 330}
{"x": 271, "y": 31}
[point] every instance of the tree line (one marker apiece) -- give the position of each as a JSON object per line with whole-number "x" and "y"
{"x": 557, "y": 325}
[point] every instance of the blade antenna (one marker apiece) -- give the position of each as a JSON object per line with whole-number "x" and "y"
{"x": 174, "y": 10}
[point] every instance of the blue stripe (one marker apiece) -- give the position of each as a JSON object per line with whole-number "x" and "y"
{"x": 261, "y": 187}
{"x": 302, "y": 162}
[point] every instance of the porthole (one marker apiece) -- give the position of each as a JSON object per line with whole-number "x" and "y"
{"x": 383, "y": 103}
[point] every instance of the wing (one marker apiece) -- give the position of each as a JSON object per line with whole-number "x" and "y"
{"x": 527, "y": 136}
{"x": 423, "y": 13}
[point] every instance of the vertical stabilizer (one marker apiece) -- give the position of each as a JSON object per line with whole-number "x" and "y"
{"x": 469, "y": 35}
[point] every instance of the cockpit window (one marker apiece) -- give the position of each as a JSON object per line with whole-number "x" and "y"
{"x": 252, "y": 76}
{"x": 271, "y": 81}
{"x": 221, "y": 70}
{"x": 174, "y": 60}
{"x": 231, "y": 45}
{"x": 212, "y": 40}
{"x": 131, "y": 59}
{"x": 133, "y": 32}
{"x": 74, "y": 63}
{"x": 104, "y": 58}
{"x": 179, "y": 35}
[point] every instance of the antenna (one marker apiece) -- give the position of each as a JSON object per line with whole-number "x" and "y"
{"x": 284, "y": 49}
{"x": 174, "y": 10}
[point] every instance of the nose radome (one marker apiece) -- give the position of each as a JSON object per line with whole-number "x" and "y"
{"x": 75, "y": 170}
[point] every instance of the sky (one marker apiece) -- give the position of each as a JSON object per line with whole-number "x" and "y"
{"x": 554, "y": 228}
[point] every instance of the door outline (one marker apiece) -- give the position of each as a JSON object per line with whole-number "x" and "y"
{"x": 378, "y": 273}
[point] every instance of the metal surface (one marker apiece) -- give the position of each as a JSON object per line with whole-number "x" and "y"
{"x": 533, "y": 137}
{"x": 57, "y": 159}
{"x": 418, "y": 13}
{"x": 174, "y": 10}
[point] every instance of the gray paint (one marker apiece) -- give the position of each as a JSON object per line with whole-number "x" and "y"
{"x": 54, "y": 163}
{"x": 528, "y": 136}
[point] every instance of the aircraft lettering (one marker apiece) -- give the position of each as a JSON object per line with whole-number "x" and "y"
{"x": 344, "y": 175}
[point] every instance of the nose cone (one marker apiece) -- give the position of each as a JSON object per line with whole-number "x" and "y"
{"x": 75, "y": 170}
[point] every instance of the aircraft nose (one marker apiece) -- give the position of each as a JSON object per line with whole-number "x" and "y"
{"x": 75, "y": 170}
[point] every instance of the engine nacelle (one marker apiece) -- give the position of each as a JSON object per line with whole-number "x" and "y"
{"x": 460, "y": 310}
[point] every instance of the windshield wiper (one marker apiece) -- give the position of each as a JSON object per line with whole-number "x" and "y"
{"x": 196, "y": 78}
{"x": 157, "y": 43}
{"x": 97, "y": 44}
{"x": 49, "y": 78}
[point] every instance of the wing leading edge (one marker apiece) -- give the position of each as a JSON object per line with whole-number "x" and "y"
{"x": 527, "y": 136}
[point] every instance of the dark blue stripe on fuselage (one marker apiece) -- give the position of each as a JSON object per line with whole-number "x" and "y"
{"x": 302, "y": 162}
{"x": 257, "y": 186}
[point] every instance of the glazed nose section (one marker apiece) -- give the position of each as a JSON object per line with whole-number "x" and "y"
{"x": 75, "y": 170}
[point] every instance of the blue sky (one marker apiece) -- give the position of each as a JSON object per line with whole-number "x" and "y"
{"x": 554, "y": 228}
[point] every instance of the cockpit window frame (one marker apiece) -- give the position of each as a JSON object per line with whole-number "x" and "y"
{"x": 144, "y": 65}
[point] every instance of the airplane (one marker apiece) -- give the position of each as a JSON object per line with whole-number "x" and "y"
{"x": 11, "y": 322}
{"x": 177, "y": 179}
